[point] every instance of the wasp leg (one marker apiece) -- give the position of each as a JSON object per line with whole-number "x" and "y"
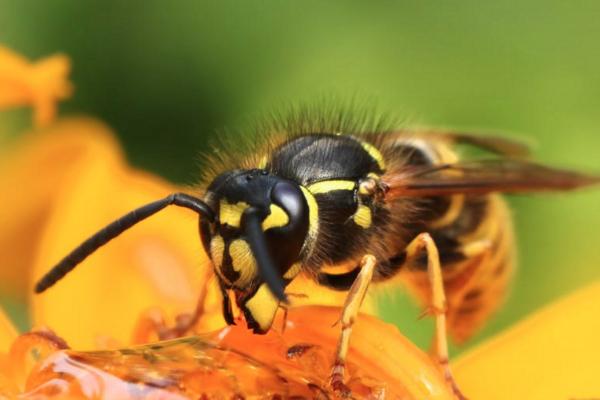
{"x": 152, "y": 323}
{"x": 438, "y": 306}
{"x": 350, "y": 311}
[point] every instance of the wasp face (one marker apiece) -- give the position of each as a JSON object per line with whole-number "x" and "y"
{"x": 257, "y": 238}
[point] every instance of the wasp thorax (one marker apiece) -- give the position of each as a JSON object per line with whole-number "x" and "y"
{"x": 241, "y": 255}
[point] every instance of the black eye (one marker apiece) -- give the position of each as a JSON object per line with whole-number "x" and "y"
{"x": 289, "y": 197}
{"x": 286, "y": 242}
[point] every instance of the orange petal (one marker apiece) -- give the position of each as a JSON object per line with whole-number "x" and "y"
{"x": 33, "y": 170}
{"x": 28, "y": 351}
{"x": 8, "y": 332}
{"x": 39, "y": 84}
{"x": 234, "y": 363}
{"x": 553, "y": 354}
{"x": 8, "y": 388}
{"x": 158, "y": 263}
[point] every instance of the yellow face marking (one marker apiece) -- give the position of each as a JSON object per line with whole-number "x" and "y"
{"x": 231, "y": 214}
{"x": 362, "y": 216}
{"x": 313, "y": 213}
{"x": 263, "y": 306}
{"x": 276, "y": 219}
{"x": 329, "y": 186}
{"x": 243, "y": 261}
{"x": 293, "y": 271}
{"x": 375, "y": 154}
{"x": 217, "y": 249}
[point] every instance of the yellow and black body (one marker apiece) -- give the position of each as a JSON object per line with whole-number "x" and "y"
{"x": 314, "y": 214}
{"x": 317, "y": 197}
{"x": 348, "y": 192}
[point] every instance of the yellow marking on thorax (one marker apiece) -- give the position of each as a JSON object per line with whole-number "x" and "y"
{"x": 313, "y": 213}
{"x": 243, "y": 261}
{"x": 362, "y": 217}
{"x": 331, "y": 185}
{"x": 231, "y": 214}
{"x": 375, "y": 154}
{"x": 276, "y": 219}
{"x": 363, "y": 190}
{"x": 263, "y": 306}
{"x": 368, "y": 187}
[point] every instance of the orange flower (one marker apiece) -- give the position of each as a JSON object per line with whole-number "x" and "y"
{"x": 40, "y": 84}
{"x": 553, "y": 354}
{"x": 86, "y": 183}
{"x": 24, "y": 211}
{"x": 59, "y": 151}
{"x": 161, "y": 262}
{"x": 72, "y": 180}
{"x": 230, "y": 362}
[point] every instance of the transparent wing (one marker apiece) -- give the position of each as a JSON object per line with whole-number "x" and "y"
{"x": 502, "y": 175}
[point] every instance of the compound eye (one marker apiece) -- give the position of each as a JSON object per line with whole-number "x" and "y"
{"x": 289, "y": 197}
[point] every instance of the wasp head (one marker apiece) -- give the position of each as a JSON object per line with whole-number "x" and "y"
{"x": 256, "y": 239}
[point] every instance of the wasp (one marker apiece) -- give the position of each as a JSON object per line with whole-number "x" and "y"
{"x": 347, "y": 205}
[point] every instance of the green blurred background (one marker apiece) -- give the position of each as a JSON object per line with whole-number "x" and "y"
{"x": 167, "y": 75}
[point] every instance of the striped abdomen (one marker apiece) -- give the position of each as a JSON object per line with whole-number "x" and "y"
{"x": 477, "y": 255}
{"x": 477, "y": 286}
{"x": 474, "y": 237}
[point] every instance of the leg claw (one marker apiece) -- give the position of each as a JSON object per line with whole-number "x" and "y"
{"x": 337, "y": 382}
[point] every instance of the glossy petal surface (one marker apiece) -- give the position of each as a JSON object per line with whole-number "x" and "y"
{"x": 234, "y": 362}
